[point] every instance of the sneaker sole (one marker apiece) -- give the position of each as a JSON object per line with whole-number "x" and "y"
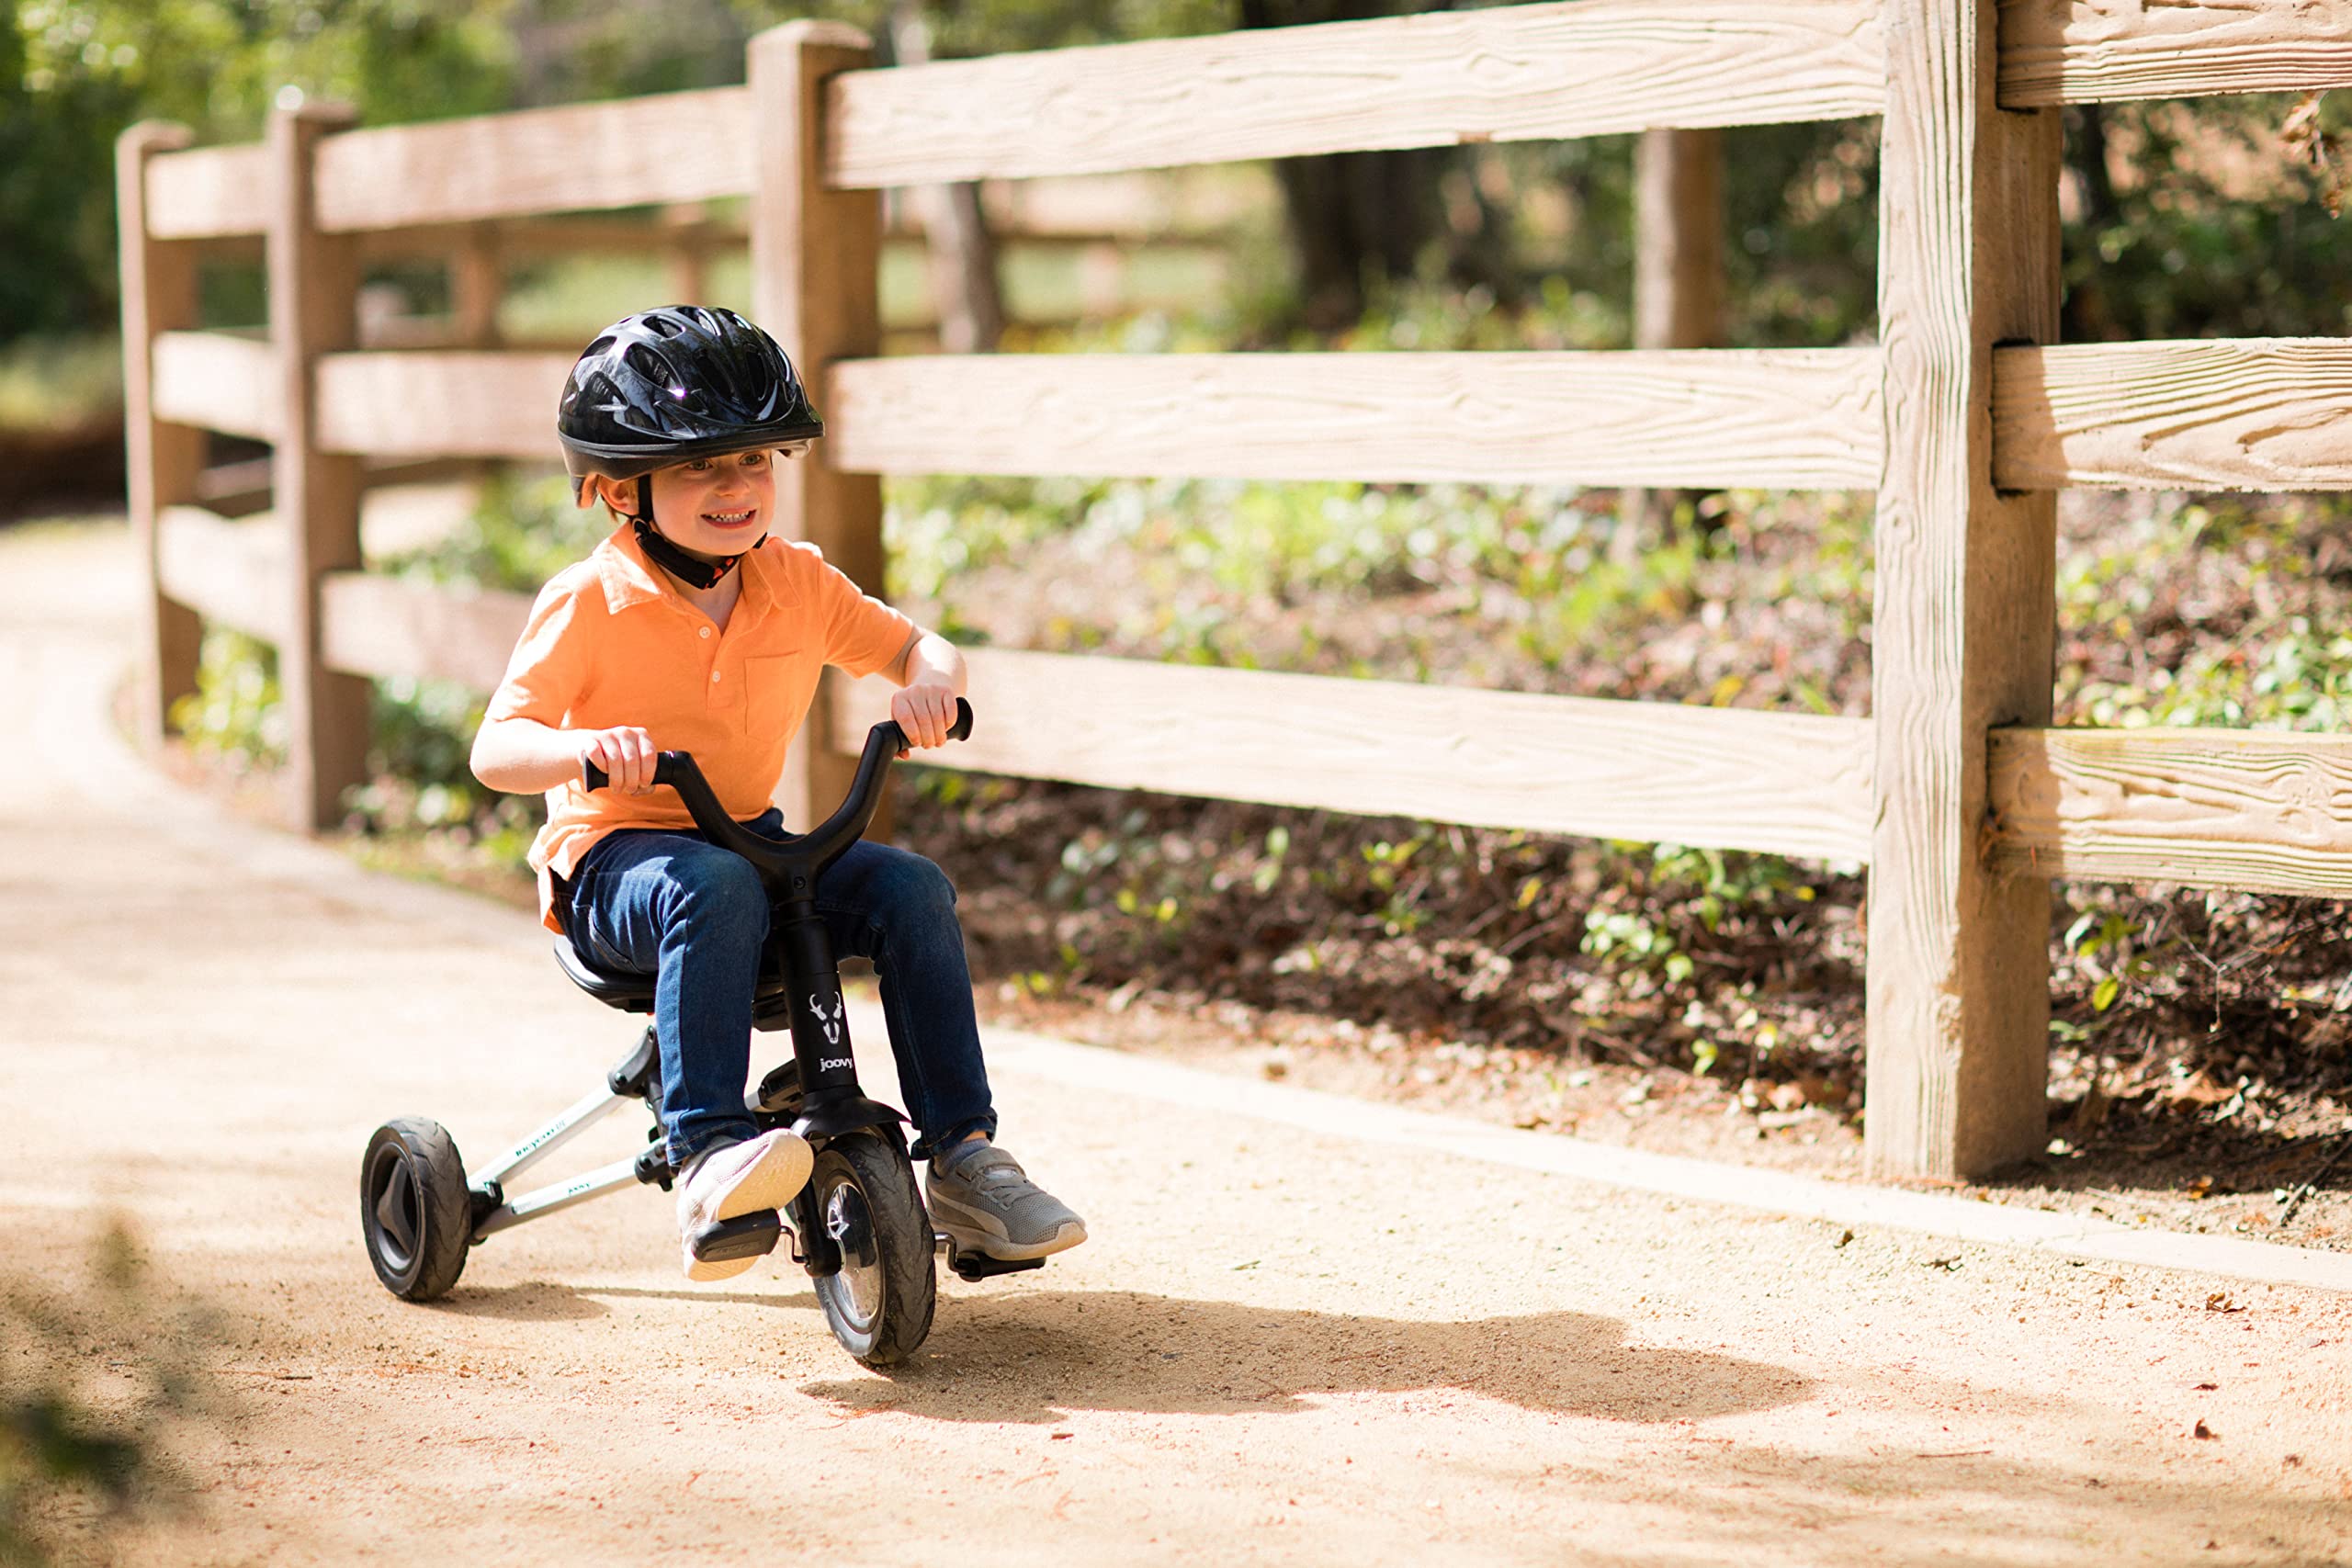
{"x": 996, "y": 1244}
{"x": 773, "y": 1180}
{"x": 703, "y": 1273}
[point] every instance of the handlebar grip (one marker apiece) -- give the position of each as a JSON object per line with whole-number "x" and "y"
{"x": 593, "y": 778}
{"x": 960, "y": 730}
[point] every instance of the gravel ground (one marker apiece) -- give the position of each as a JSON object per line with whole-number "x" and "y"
{"x": 1279, "y": 1347}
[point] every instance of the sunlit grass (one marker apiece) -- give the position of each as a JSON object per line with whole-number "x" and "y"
{"x": 61, "y": 383}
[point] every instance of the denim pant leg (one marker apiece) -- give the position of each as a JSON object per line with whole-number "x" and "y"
{"x": 898, "y": 909}
{"x": 694, "y": 916}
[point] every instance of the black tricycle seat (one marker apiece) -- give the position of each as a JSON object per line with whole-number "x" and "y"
{"x": 633, "y": 992}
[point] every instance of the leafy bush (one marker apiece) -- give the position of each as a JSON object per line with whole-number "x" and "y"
{"x": 236, "y": 712}
{"x": 522, "y": 530}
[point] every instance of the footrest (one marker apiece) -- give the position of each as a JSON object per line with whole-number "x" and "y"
{"x": 746, "y": 1236}
{"x": 976, "y": 1266}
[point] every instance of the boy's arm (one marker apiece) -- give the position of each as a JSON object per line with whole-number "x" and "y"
{"x": 931, "y": 676}
{"x": 522, "y": 756}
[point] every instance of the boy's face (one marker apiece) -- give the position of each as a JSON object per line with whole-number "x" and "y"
{"x": 713, "y": 506}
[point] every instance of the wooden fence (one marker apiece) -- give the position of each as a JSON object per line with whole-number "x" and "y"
{"x": 1966, "y": 418}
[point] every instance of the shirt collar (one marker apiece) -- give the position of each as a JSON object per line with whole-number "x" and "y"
{"x": 630, "y": 580}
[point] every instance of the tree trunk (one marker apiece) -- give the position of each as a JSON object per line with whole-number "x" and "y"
{"x": 962, "y": 254}
{"x": 1678, "y": 284}
{"x": 1354, "y": 217}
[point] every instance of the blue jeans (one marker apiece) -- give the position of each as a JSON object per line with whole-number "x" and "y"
{"x": 675, "y": 906}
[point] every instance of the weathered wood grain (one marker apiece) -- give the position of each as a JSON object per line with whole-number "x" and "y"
{"x": 2255, "y": 810}
{"x": 442, "y": 403}
{"x": 816, "y": 262}
{"x": 387, "y": 626}
{"x": 1502, "y": 75}
{"x": 217, "y": 382}
{"x": 1790, "y": 784}
{"x": 2246, "y": 413}
{"x": 231, "y": 573}
{"x": 1785, "y": 418}
{"x": 632, "y": 152}
{"x": 2080, "y": 51}
{"x": 1964, "y": 606}
{"x": 162, "y": 461}
{"x": 207, "y": 192}
{"x": 313, "y": 312}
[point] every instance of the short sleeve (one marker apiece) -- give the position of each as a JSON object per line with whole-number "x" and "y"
{"x": 861, "y": 634}
{"x": 544, "y": 675}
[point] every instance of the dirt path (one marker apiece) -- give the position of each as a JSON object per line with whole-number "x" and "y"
{"x": 1280, "y": 1347}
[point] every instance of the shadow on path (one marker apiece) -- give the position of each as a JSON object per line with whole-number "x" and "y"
{"x": 541, "y": 1300}
{"x": 1032, "y": 1356}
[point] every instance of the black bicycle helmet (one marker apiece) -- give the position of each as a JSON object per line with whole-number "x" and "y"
{"x": 672, "y": 385}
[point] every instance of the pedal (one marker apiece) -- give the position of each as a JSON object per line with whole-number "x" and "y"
{"x": 746, "y": 1236}
{"x": 973, "y": 1267}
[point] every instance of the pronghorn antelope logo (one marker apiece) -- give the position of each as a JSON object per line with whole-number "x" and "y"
{"x": 832, "y": 1020}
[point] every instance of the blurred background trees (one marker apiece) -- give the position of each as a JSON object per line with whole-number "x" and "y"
{"x": 2182, "y": 219}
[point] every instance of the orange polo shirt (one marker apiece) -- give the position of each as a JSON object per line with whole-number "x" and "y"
{"x": 611, "y": 641}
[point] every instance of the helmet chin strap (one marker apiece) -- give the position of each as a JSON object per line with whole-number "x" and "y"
{"x": 691, "y": 570}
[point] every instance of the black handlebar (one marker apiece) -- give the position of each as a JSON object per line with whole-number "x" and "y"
{"x": 790, "y": 865}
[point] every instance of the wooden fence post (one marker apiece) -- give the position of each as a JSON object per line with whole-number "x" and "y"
{"x": 162, "y": 461}
{"x": 477, "y": 287}
{"x": 1965, "y": 615}
{"x": 814, "y": 253}
{"x": 313, "y": 310}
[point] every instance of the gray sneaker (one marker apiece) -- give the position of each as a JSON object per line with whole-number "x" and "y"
{"x": 985, "y": 1204}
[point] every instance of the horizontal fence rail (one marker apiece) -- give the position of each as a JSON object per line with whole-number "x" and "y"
{"x": 1726, "y": 778}
{"x": 668, "y": 147}
{"x": 446, "y": 402}
{"x": 2250, "y": 809}
{"x": 2248, "y": 414}
{"x": 208, "y": 193}
{"x": 231, "y": 572}
{"x": 2080, "y": 51}
{"x": 392, "y": 628}
{"x": 218, "y": 380}
{"x": 1793, "y": 419}
{"x": 1511, "y": 73}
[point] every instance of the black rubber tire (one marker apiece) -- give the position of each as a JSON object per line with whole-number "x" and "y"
{"x": 879, "y": 1306}
{"x": 416, "y": 1214}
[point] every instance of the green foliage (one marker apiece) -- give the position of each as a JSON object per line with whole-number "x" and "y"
{"x": 60, "y": 381}
{"x": 937, "y": 527}
{"x": 237, "y": 711}
{"x": 520, "y": 532}
{"x": 73, "y": 73}
{"x": 56, "y": 205}
{"x": 420, "y": 781}
{"x": 2206, "y": 220}
{"x": 1662, "y": 918}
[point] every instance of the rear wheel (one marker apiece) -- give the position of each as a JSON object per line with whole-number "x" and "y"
{"x": 414, "y": 1211}
{"x": 879, "y": 1303}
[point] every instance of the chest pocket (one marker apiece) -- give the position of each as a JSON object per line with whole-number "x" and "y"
{"x": 778, "y": 691}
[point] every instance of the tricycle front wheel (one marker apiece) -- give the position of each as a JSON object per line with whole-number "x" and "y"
{"x": 879, "y": 1302}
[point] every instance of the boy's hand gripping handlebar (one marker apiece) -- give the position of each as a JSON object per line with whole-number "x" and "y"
{"x": 789, "y": 866}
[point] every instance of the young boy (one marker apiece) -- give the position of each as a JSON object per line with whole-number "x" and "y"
{"x": 689, "y": 629}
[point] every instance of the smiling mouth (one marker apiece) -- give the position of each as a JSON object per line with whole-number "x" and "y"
{"x": 729, "y": 519}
